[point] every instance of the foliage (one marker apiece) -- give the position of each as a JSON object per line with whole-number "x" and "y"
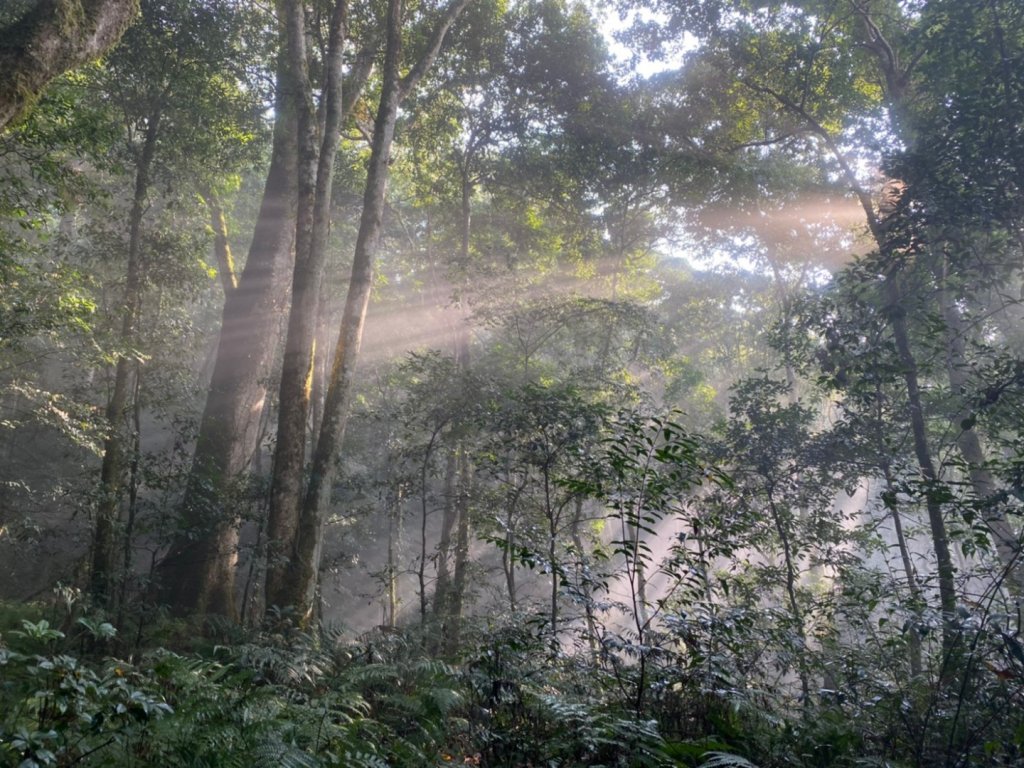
{"x": 804, "y": 229}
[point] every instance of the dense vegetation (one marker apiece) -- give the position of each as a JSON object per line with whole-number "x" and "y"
{"x": 687, "y": 428}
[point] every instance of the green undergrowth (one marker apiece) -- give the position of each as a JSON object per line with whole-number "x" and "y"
{"x": 68, "y": 697}
{"x": 74, "y": 692}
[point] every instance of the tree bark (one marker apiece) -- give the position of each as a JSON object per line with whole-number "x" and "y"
{"x": 983, "y": 483}
{"x": 936, "y": 522}
{"x": 914, "y": 635}
{"x": 221, "y": 244}
{"x": 198, "y": 572}
{"x": 106, "y": 534}
{"x": 315, "y": 181}
{"x": 294, "y": 584}
{"x": 457, "y": 596}
{"x": 442, "y": 587}
{"x": 897, "y": 78}
{"x": 53, "y": 37}
{"x": 792, "y": 576}
{"x": 896, "y": 315}
{"x": 584, "y": 579}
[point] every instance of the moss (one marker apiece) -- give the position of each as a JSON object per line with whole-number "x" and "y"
{"x": 71, "y": 22}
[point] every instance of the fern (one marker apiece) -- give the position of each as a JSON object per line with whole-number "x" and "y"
{"x": 725, "y": 760}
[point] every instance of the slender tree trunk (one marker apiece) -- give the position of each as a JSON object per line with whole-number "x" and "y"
{"x": 442, "y": 587}
{"x": 457, "y": 596}
{"x": 221, "y": 243}
{"x": 796, "y": 614}
{"x": 552, "y": 517}
{"x": 105, "y": 542}
{"x": 421, "y": 571}
{"x": 897, "y": 79}
{"x": 198, "y": 572}
{"x": 320, "y": 360}
{"x": 936, "y": 522}
{"x": 916, "y": 596}
{"x": 639, "y": 579}
{"x": 508, "y": 560}
{"x": 295, "y": 584}
{"x": 444, "y": 546}
{"x": 897, "y": 317}
{"x": 394, "y": 531}
{"x": 583, "y": 578}
{"x": 983, "y": 483}
{"x": 133, "y": 494}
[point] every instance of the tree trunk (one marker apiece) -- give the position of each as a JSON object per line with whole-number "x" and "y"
{"x": 105, "y": 541}
{"x": 294, "y": 584}
{"x": 442, "y": 586}
{"x": 457, "y": 597}
{"x": 897, "y": 79}
{"x": 424, "y": 512}
{"x": 896, "y": 315}
{"x": 584, "y": 578}
{"x": 394, "y": 512}
{"x": 983, "y": 483}
{"x": 936, "y": 523}
{"x": 552, "y": 519}
{"x": 198, "y": 572}
{"x": 53, "y": 37}
{"x": 797, "y": 616}
{"x": 315, "y": 180}
{"x": 914, "y": 635}
{"x": 221, "y": 243}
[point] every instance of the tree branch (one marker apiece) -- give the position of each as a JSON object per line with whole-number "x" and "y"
{"x": 55, "y": 36}
{"x": 415, "y": 74}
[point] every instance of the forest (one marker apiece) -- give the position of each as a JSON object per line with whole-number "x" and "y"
{"x": 512, "y": 383}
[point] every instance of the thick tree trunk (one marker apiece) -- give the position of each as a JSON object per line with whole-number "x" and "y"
{"x": 316, "y": 155}
{"x": 316, "y": 180}
{"x": 53, "y": 37}
{"x": 105, "y": 542}
{"x": 198, "y": 572}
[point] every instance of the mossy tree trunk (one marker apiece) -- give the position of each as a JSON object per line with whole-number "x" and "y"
{"x": 53, "y": 37}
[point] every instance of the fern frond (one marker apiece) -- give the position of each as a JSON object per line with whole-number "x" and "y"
{"x": 725, "y": 760}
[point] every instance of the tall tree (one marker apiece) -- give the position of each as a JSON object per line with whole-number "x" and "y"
{"x": 840, "y": 84}
{"x": 295, "y": 524}
{"x": 199, "y": 570}
{"x": 167, "y": 71}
